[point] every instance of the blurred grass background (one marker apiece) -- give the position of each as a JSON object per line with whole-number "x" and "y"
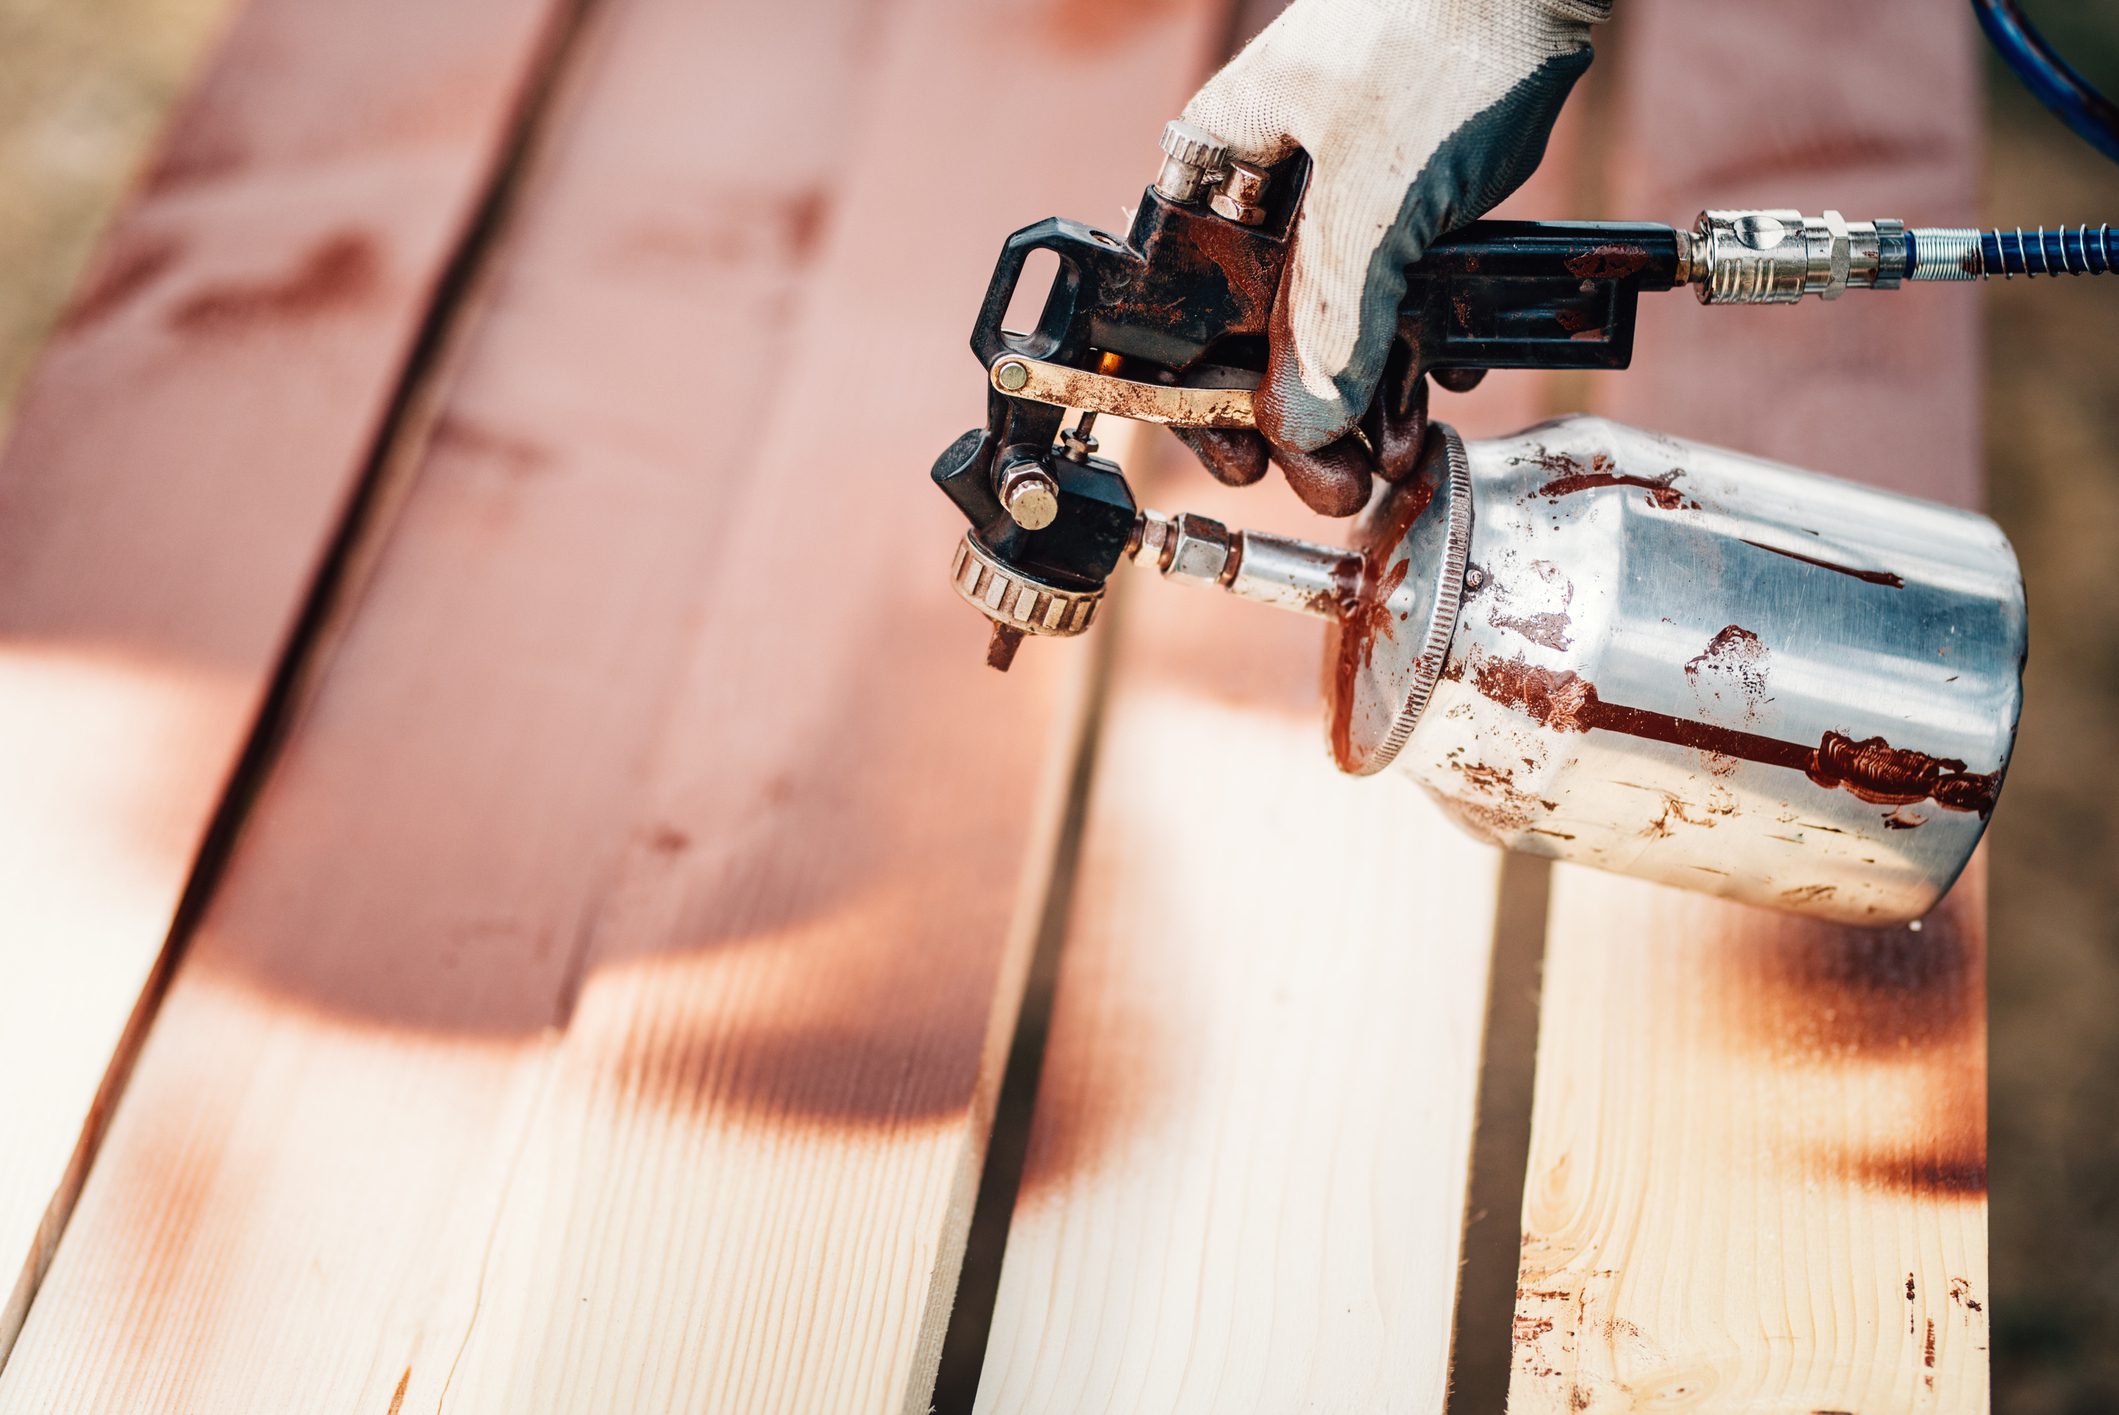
{"x": 86, "y": 84}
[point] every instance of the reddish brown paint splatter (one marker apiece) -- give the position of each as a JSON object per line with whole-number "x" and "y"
{"x": 1927, "y": 1350}
{"x": 397, "y": 1397}
{"x": 1573, "y": 477}
{"x": 1350, "y": 642}
{"x": 1884, "y": 775}
{"x": 1912, "y": 1292}
{"x": 1734, "y": 658}
{"x": 1873, "y": 577}
{"x": 1871, "y": 769}
{"x": 339, "y": 272}
{"x": 1612, "y": 262}
{"x": 1899, "y": 820}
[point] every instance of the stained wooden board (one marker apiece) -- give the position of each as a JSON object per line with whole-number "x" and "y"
{"x": 1758, "y": 1167}
{"x": 602, "y": 1007}
{"x": 179, "y": 464}
{"x": 1247, "y": 1171}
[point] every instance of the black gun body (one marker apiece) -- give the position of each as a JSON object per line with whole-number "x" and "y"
{"x": 1187, "y": 290}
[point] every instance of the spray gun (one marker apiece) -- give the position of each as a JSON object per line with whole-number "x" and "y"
{"x": 1587, "y": 641}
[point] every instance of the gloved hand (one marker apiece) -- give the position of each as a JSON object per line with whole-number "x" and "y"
{"x": 1418, "y": 116}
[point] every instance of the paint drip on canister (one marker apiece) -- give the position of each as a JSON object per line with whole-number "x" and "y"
{"x": 1680, "y": 663}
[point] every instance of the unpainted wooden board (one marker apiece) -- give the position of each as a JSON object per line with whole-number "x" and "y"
{"x": 179, "y": 464}
{"x": 1758, "y": 1167}
{"x": 603, "y": 1005}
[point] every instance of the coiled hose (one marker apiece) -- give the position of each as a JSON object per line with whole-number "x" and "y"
{"x": 2058, "y": 84}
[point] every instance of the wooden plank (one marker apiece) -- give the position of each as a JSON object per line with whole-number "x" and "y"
{"x": 1246, "y": 1171}
{"x": 603, "y": 1005}
{"x": 1248, "y": 1163}
{"x": 179, "y": 466}
{"x": 1758, "y": 1168}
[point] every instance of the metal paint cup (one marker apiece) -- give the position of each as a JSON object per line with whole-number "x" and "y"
{"x": 1688, "y": 665}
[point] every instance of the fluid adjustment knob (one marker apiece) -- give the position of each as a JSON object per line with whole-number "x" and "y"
{"x": 1018, "y": 603}
{"x": 1193, "y": 159}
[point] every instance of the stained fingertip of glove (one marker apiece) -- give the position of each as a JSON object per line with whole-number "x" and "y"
{"x": 1334, "y": 481}
{"x": 1291, "y": 415}
{"x": 1236, "y": 456}
{"x": 1396, "y": 434}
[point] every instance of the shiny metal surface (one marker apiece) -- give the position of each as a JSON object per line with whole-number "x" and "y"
{"x": 1043, "y": 381}
{"x": 1241, "y": 194}
{"x": 1715, "y": 671}
{"x": 1016, "y": 601}
{"x": 1192, "y": 160}
{"x": 1295, "y": 575}
{"x": 1777, "y": 257}
{"x": 1384, "y": 656}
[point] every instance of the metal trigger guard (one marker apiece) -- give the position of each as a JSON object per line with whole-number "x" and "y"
{"x": 1172, "y": 405}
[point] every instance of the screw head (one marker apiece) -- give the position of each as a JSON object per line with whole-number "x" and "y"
{"x": 1012, "y": 375}
{"x": 1030, "y": 495}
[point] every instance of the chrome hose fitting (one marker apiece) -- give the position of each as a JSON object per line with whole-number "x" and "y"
{"x": 1777, "y": 257}
{"x": 1280, "y": 571}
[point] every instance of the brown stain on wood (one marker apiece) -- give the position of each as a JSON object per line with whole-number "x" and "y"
{"x": 462, "y": 435}
{"x": 341, "y": 271}
{"x": 197, "y": 152}
{"x": 1902, "y": 1008}
{"x": 751, "y": 227}
{"x": 1100, "y": 1085}
{"x": 397, "y": 1397}
{"x": 130, "y": 268}
{"x": 1092, "y": 26}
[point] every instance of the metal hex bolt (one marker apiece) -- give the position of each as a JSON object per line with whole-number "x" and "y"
{"x": 1030, "y": 495}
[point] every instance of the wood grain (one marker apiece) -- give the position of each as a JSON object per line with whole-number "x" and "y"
{"x": 1758, "y": 1168}
{"x": 602, "y": 1007}
{"x": 1246, "y": 1179}
{"x": 1246, "y": 1175}
{"x": 179, "y": 465}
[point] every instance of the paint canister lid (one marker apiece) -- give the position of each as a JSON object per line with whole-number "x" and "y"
{"x": 1383, "y": 657}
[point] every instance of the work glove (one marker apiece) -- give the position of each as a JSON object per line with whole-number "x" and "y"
{"x": 1418, "y": 116}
